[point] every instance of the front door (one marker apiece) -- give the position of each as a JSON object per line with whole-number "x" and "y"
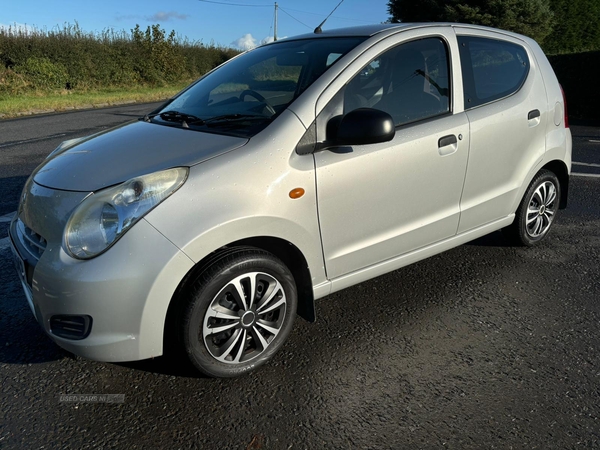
{"x": 383, "y": 200}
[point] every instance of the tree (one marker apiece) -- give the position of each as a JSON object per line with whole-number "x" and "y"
{"x": 576, "y": 26}
{"x": 533, "y": 18}
{"x": 416, "y": 11}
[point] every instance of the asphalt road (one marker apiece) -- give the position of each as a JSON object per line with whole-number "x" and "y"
{"x": 484, "y": 346}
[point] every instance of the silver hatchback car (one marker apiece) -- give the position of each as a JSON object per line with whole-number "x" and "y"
{"x": 290, "y": 172}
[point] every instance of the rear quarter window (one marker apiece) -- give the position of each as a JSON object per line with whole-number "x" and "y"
{"x": 492, "y": 69}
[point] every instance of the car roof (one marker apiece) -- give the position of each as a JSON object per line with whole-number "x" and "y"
{"x": 362, "y": 30}
{"x": 390, "y": 28}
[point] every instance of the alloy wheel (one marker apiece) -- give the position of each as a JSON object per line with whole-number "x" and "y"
{"x": 244, "y": 318}
{"x": 541, "y": 210}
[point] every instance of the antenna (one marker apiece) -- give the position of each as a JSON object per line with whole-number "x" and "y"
{"x": 275, "y": 28}
{"x": 318, "y": 30}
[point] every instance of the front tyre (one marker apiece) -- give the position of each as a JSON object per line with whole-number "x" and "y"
{"x": 240, "y": 311}
{"x": 537, "y": 210}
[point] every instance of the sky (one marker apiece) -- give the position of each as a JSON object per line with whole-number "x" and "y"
{"x": 222, "y": 22}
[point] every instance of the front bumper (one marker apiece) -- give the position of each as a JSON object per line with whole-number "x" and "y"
{"x": 126, "y": 291}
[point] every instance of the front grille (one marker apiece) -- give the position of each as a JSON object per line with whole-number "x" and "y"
{"x": 33, "y": 242}
{"x": 71, "y": 327}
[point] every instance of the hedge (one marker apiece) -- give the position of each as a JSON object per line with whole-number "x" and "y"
{"x": 578, "y": 74}
{"x": 68, "y": 58}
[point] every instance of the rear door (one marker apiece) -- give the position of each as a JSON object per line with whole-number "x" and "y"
{"x": 505, "y": 102}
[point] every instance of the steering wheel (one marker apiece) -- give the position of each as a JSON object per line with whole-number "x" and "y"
{"x": 258, "y": 97}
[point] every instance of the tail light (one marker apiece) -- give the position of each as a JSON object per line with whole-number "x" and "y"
{"x": 566, "y": 119}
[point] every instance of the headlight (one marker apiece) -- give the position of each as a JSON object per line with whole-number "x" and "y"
{"x": 104, "y": 216}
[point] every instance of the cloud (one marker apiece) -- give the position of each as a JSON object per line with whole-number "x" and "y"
{"x": 246, "y": 42}
{"x": 162, "y": 16}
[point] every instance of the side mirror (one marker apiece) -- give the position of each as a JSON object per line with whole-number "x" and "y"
{"x": 364, "y": 126}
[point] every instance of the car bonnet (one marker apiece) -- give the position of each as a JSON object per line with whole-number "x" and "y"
{"x": 129, "y": 151}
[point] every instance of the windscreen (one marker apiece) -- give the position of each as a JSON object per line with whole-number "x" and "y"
{"x": 246, "y": 94}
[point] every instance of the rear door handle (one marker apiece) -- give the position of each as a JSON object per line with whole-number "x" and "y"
{"x": 447, "y": 145}
{"x": 533, "y": 118}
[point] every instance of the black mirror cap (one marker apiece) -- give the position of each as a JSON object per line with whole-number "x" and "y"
{"x": 365, "y": 126}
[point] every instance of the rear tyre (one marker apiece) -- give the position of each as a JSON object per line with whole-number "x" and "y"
{"x": 239, "y": 313}
{"x": 537, "y": 210}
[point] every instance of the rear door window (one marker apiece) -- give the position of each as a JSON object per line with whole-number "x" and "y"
{"x": 492, "y": 69}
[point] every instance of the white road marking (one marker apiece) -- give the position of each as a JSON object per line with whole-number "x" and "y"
{"x": 4, "y": 243}
{"x": 591, "y": 175}
{"x": 7, "y": 217}
{"x": 594, "y": 140}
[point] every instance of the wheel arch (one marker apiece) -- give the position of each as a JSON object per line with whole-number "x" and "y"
{"x": 293, "y": 258}
{"x": 559, "y": 169}
{"x": 287, "y": 252}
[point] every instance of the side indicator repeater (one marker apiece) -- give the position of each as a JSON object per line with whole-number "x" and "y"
{"x": 296, "y": 193}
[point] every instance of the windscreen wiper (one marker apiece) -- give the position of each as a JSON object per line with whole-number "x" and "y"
{"x": 176, "y": 116}
{"x": 228, "y": 118}
{"x": 188, "y": 119}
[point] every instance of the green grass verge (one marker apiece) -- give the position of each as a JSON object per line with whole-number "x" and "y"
{"x": 36, "y": 103}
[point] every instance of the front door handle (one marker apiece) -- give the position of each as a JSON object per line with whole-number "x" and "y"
{"x": 447, "y": 140}
{"x": 447, "y": 145}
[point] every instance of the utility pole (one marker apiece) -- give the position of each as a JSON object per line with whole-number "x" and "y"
{"x": 275, "y": 27}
